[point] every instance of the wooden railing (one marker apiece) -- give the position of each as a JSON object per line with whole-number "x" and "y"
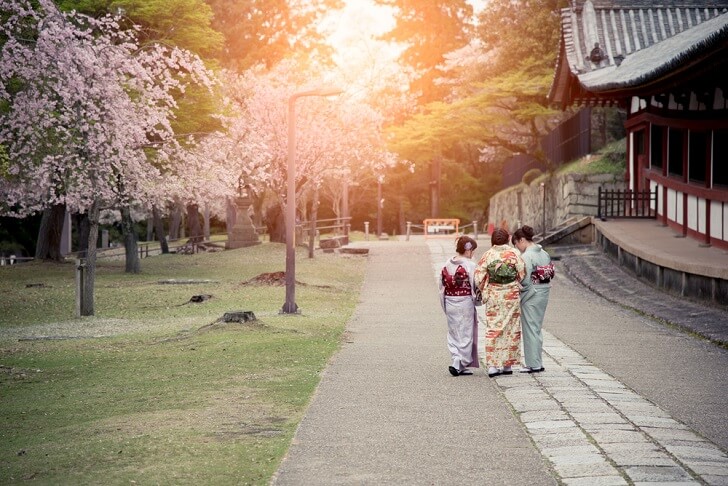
{"x": 617, "y": 203}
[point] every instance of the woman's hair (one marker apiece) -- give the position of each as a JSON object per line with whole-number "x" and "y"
{"x": 523, "y": 232}
{"x": 499, "y": 237}
{"x": 465, "y": 243}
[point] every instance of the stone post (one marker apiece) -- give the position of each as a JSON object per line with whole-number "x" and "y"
{"x": 243, "y": 233}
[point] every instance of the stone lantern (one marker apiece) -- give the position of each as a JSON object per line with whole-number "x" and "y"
{"x": 243, "y": 232}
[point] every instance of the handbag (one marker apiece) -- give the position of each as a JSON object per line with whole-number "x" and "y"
{"x": 543, "y": 274}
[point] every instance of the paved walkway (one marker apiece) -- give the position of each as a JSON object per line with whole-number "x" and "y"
{"x": 623, "y": 400}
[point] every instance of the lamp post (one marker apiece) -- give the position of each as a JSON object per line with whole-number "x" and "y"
{"x": 543, "y": 211}
{"x": 290, "y": 307}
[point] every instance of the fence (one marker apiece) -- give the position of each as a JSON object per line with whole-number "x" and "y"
{"x": 618, "y": 203}
{"x": 568, "y": 141}
{"x": 441, "y": 227}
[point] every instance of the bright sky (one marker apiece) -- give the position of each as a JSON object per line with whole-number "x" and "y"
{"x": 363, "y": 59}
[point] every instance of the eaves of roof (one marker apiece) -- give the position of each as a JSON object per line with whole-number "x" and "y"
{"x": 650, "y": 64}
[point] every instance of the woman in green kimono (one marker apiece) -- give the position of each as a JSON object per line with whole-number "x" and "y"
{"x": 535, "y": 289}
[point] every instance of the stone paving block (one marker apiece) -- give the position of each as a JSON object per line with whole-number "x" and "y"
{"x": 556, "y": 381}
{"x": 704, "y": 451}
{"x": 641, "y": 408}
{"x": 596, "y": 374}
{"x": 629, "y": 447}
{"x": 663, "y": 435}
{"x": 564, "y": 437}
{"x": 703, "y": 468}
{"x": 569, "y": 450}
{"x": 550, "y": 426}
{"x": 655, "y": 458}
{"x": 596, "y": 481}
{"x": 657, "y": 473}
{"x": 572, "y": 396}
{"x": 599, "y": 418}
{"x": 526, "y": 394}
{"x": 542, "y": 415}
{"x": 617, "y": 396}
{"x": 569, "y": 387}
{"x": 593, "y": 406}
{"x": 617, "y": 436}
{"x": 569, "y": 393}
{"x": 586, "y": 470}
{"x": 609, "y": 386}
{"x": 680, "y": 442}
{"x": 580, "y": 459}
{"x": 663, "y": 422}
{"x": 716, "y": 480}
{"x": 532, "y": 406}
{"x": 665, "y": 483}
{"x": 599, "y": 427}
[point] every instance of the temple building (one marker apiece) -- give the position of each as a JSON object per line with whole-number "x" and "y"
{"x": 666, "y": 64}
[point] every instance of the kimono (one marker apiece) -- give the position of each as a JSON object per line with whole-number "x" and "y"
{"x": 534, "y": 299}
{"x": 498, "y": 274}
{"x": 458, "y": 297}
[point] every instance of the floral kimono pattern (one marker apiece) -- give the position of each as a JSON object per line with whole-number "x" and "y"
{"x": 501, "y": 297}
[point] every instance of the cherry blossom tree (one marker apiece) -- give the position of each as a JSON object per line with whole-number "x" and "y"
{"x": 338, "y": 140}
{"x": 87, "y": 115}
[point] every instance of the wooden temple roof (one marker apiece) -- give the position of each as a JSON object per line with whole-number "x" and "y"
{"x": 643, "y": 44}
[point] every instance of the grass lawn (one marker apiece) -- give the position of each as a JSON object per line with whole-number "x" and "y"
{"x": 154, "y": 389}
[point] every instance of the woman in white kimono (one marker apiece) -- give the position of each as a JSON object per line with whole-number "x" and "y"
{"x": 535, "y": 289}
{"x": 458, "y": 297}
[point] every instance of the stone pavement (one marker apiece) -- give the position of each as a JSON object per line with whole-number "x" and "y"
{"x": 624, "y": 399}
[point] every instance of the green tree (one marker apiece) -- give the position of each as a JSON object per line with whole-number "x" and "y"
{"x": 266, "y": 31}
{"x": 504, "y": 113}
{"x": 521, "y": 31}
{"x": 183, "y": 23}
{"x": 429, "y": 29}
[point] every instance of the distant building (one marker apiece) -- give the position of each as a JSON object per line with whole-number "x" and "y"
{"x": 666, "y": 63}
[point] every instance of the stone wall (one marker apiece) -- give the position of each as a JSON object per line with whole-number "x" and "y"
{"x": 566, "y": 196}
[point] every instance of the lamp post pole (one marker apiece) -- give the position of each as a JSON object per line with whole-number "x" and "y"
{"x": 543, "y": 211}
{"x": 290, "y": 307}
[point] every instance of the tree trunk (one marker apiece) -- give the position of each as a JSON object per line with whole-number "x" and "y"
{"x": 131, "y": 249}
{"x": 175, "y": 222}
{"x": 87, "y": 289}
{"x": 314, "y": 217}
{"x": 230, "y": 217}
{"x": 48, "y": 246}
{"x": 276, "y": 224}
{"x": 206, "y": 225}
{"x": 194, "y": 229}
{"x": 159, "y": 228}
{"x": 257, "y": 210}
{"x": 150, "y": 227}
